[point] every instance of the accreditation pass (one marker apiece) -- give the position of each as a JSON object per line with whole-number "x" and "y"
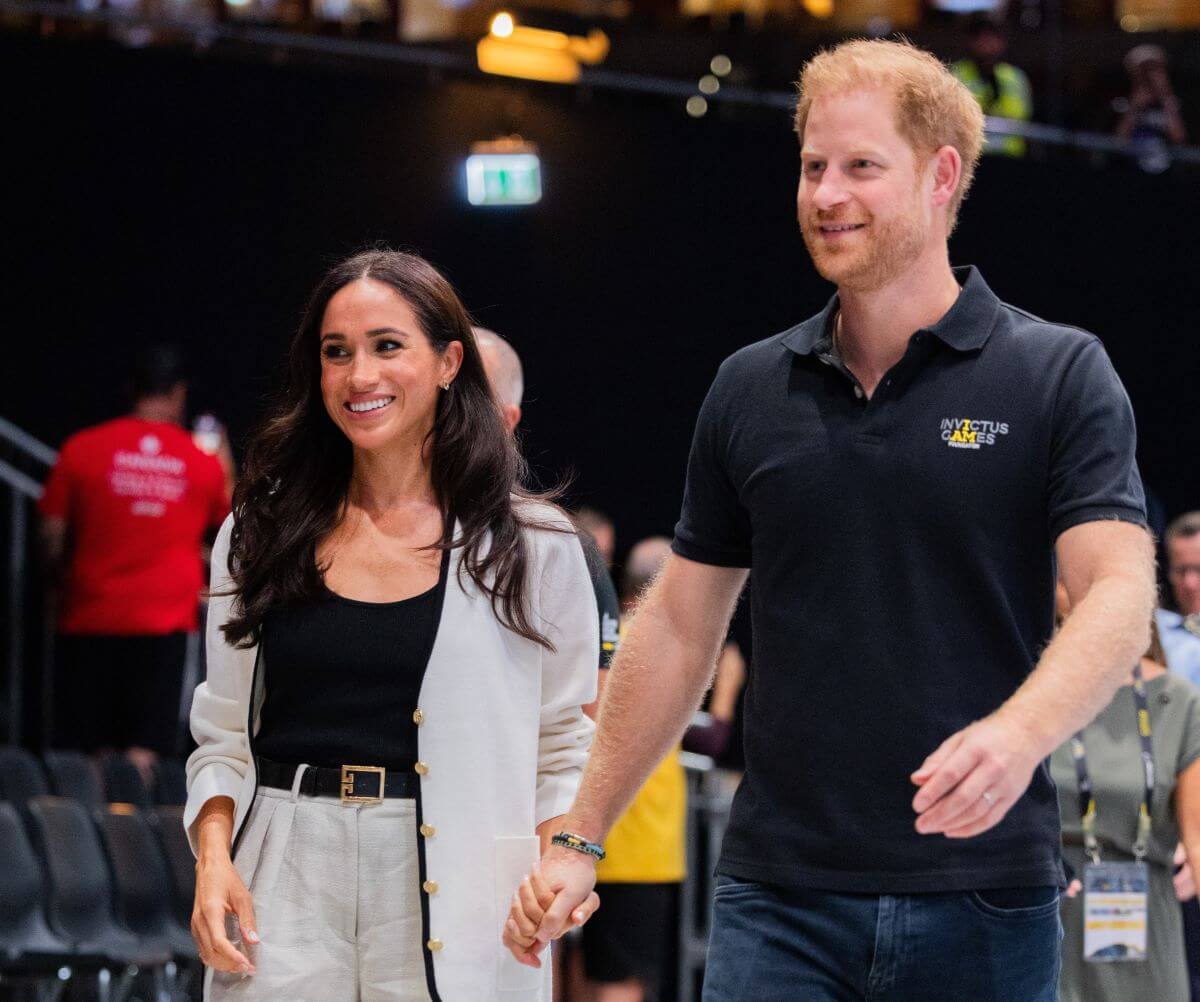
{"x": 1115, "y": 897}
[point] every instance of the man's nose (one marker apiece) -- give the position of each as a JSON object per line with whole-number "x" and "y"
{"x": 828, "y": 191}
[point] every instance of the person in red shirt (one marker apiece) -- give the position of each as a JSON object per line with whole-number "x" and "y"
{"x": 124, "y": 516}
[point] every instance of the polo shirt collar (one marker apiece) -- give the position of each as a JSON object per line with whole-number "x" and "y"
{"x": 1169, "y": 619}
{"x": 966, "y": 326}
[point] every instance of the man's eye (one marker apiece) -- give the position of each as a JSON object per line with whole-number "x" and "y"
{"x": 864, "y": 163}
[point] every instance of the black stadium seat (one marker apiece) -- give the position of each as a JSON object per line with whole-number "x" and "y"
{"x": 123, "y": 783}
{"x": 80, "y": 901}
{"x": 170, "y": 783}
{"x": 144, "y": 901}
{"x": 167, "y": 823}
{"x": 75, "y": 776}
{"x": 21, "y": 776}
{"x": 27, "y": 946}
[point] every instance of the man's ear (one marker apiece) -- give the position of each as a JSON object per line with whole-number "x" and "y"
{"x": 947, "y": 172}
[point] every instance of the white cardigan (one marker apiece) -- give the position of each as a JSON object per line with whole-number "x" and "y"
{"x": 503, "y": 734}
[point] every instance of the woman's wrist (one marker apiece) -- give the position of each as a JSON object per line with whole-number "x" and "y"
{"x": 214, "y": 830}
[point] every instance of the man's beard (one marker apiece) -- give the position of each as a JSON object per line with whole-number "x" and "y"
{"x": 888, "y": 249}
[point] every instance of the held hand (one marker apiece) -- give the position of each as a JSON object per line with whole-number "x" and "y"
{"x": 969, "y": 783}
{"x": 219, "y": 892}
{"x": 557, "y": 895}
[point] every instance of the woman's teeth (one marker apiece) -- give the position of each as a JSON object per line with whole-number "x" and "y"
{"x": 370, "y": 405}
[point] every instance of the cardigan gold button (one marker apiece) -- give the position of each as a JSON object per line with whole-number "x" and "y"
{"x": 418, "y": 717}
{"x": 430, "y": 886}
{"x": 435, "y": 945}
{"x": 428, "y": 831}
{"x": 421, "y": 769}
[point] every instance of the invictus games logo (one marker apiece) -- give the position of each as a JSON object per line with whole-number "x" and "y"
{"x": 971, "y": 433}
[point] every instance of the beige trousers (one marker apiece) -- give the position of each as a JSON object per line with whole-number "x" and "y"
{"x": 336, "y": 897}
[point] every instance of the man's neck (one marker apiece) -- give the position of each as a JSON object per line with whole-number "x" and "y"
{"x": 158, "y": 409}
{"x": 874, "y": 327}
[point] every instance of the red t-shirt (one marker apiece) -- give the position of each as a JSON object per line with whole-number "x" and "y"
{"x": 137, "y": 497}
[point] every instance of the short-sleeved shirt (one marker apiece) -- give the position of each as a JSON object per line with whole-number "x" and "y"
{"x": 1180, "y": 644}
{"x": 1115, "y": 766}
{"x": 138, "y": 497}
{"x": 902, "y": 576}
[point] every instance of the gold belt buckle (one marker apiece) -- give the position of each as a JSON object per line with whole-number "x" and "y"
{"x": 348, "y": 772}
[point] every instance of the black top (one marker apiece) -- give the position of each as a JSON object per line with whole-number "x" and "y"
{"x": 342, "y": 678}
{"x": 903, "y": 576}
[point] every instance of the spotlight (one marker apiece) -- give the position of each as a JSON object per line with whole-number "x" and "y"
{"x": 696, "y": 106}
{"x": 518, "y": 50}
{"x": 502, "y": 25}
{"x": 709, "y": 84}
{"x": 721, "y": 65}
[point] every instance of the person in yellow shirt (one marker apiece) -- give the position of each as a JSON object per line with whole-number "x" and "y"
{"x": 1001, "y": 89}
{"x": 626, "y": 942}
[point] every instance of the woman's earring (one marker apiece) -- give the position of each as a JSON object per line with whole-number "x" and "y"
{"x": 445, "y": 386}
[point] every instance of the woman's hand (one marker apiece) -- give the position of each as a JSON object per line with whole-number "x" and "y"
{"x": 220, "y": 891}
{"x": 529, "y": 906}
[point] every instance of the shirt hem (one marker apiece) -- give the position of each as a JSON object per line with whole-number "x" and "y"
{"x": 1097, "y": 513}
{"x": 716, "y": 558}
{"x": 1044, "y": 874}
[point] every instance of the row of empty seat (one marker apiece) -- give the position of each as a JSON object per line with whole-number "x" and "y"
{"x": 71, "y": 774}
{"x": 95, "y": 892}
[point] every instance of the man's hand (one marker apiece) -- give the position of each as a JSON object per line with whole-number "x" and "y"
{"x": 557, "y": 895}
{"x": 973, "y": 778}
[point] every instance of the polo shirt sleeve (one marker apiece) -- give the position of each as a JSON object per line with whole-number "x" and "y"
{"x": 56, "y": 496}
{"x": 1093, "y": 471}
{"x": 714, "y": 526}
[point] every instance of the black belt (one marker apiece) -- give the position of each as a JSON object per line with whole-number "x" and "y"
{"x": 354, "y": 784}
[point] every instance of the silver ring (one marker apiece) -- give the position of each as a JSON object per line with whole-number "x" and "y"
{"x": 988, "y": 796}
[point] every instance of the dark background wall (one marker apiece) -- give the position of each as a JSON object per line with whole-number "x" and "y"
{"x": 198, "y": 199}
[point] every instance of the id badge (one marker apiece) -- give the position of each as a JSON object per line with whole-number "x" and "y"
{"x": 1115, "y": 910}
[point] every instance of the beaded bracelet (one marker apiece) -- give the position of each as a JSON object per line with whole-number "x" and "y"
{"x": 578, "y": 843}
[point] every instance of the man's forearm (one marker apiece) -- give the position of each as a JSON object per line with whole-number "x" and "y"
{"x": 651, "y": 693}
{"x": 1087, "y": 660}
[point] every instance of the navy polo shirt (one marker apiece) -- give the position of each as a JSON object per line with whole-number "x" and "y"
{"x": 902, "y": 586}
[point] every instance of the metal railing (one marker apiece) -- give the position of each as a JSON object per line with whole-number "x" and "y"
{"x": 24, "y": 491}
{"x": 205, "y": 31}
{"x": 710, "y": 796}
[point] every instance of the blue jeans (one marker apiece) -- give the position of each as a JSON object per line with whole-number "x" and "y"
{"x": 772, "y": 945}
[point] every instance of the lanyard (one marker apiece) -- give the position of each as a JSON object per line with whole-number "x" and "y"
{"x": 1087, "y": 799}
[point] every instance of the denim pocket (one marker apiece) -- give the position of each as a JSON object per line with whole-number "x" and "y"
{"x": 731, "y": 887}
{"x": 1015, "y": 902}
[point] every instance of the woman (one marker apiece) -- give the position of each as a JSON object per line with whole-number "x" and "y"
{"x": 400, "y": 644}
{"x": 1113, "y": 761}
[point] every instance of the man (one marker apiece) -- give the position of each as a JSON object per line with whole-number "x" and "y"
{"x": 1001, "y": 89}
{"x": 903, "y": 472}
{"x": 1179, "y": 628}
{"x": 124, "y": 516}
{"x": 600, "y": 527}
{"x": 507, "y": 377}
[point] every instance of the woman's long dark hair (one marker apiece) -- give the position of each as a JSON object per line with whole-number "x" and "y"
{"x": 294, "y": 485}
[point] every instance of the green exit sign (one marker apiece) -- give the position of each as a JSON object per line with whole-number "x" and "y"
{"x": 504, "y": 179}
